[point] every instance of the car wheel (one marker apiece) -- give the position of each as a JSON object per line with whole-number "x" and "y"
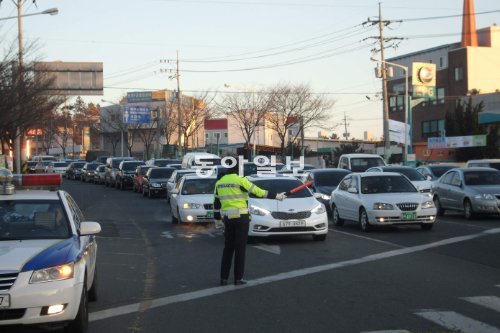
{"x": 81, "y": 322}
{"x": 468, "y": 211}
{"x": 93, "y": 289}
{"x": 336, "y": 217}
{"x": 179, "y": 217}
{"x": 427, "y": 226}
{"x": 439, "y": 208}
{"x": 319, "y": 238}
{"x": 363, "y": 220}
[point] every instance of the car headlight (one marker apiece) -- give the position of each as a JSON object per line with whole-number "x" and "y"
{"x": 320, "y": 209}
{"x": 155, "y": 185}
{"x": 484, "y": 196}
{"x": 254, "y": 210}
{"x": 191, "y": 205}
{"x": 56, "y": 273}
{"x": 382, "y": 206}
{"x": 428, "y": 204}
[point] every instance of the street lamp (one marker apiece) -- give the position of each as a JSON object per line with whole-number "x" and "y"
{"x": 405, "y": 69}
{"x": 50, "y": 11}
{"x": 121, "y": 127}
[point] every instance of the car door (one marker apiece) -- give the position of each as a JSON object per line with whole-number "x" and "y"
{"x": 352, "y": 199}
{"x": 456, "y": 193}
{"x": 443, "y": 190}
{"x": 174, "y": 198}
{"x": 340, "y": 196}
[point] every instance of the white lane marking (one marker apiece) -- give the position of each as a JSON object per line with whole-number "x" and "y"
{"x": 166, "y": 234}
{"x": 274, "y": 249}
{"x": 457, "y": 322}
{"x": 368, "y": 238}
{"x": 388, "y": 331}
{"x": 126, "y": 309}
{"x": 490, "y": 302}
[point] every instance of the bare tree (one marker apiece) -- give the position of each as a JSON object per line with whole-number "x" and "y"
{"x": 295, "y": 106}
{"x": 193, "y": 113}
{"x": 248, "y": 111}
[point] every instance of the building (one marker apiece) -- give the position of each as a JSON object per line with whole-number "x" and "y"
{"x": 462, "y": 68}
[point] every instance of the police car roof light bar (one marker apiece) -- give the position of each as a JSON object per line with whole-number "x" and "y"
{"x": 50, "y": 181}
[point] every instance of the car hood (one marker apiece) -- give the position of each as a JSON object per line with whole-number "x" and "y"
{"x": 15, "y": 254}
{"x": 287, "y": 205}
{"x": 325, "y": 189}
{"x": 422, "y": 184}
{"x": 488, "y": 189}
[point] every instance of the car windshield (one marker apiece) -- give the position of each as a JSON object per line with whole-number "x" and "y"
{"x": 60, "y": 164}
{"x": 130, "y": 166}
{"x": 361, "y": 164}
{"x": 412, "y": 174}
{"x": 253, "y": 169}
{"x": 92, "y": 166}
{"x": 30, "y": 219}
{"x": 279, "y": 185}
{"x": 161, "y": 173}
{"x": 328, "y": 178}
{"x": 198, "y": 186}
{"x": 143, "y": 170}
{"x": 386, "y": 184}
{"x": 495, "y": 166}
{"x": 438, "y": 171}
{"x": 180, "y": 174}
{"x": 78, "y": 164}
{"x": 482, "y": 177}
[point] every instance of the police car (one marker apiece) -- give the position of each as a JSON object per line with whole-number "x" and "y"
{"x": 47, "y": 254}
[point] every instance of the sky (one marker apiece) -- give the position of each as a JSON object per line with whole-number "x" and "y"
{"x": 229, "y": 46}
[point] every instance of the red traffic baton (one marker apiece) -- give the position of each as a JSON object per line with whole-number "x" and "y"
{"x": 298, "y": 188}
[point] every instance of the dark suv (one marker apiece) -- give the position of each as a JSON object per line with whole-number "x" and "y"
{"x": 125, "y": 174}
{"x": 74, "y": 170}
{"x": 112, "y": 164}
{"x": 88, "y": 172}
{"x": 155, "y": 181}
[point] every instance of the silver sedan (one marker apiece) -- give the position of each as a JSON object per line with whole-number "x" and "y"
{"x": 471, "y": 190}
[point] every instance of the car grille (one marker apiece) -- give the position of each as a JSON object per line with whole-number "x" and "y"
{"x": 291, "y": 216}
{"x": 10, "y": 314}
{"x": 294, "y": 229}
{"x": 208, "y": 206}
{"x": 7, "y": 279}
{"x": 407, "y": 206}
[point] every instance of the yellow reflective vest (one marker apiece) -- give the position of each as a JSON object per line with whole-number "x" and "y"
{"x": 232, "y": 193}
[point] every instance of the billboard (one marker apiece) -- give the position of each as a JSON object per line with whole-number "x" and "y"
{"x": 423, "y": 80}
{"x": 136, "y": 114}
{"x": 456, "y": 141}
{"x": 72, "y": 78}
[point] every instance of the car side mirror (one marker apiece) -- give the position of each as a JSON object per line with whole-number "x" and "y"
{"x": 89, "y": 228}
{"x": 352, "y": 190}
{"x": 428, "y": 177}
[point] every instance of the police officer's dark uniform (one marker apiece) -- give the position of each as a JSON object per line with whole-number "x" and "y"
{"x": 231, "y": 205}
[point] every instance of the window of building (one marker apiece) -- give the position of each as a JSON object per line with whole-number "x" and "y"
{"x": 459, "y": 73}
{"x": 440, "y": 95}
{"x": 225, "y": 134}
{"x": 432, "y": 128}
{"x": 441, "y": 62}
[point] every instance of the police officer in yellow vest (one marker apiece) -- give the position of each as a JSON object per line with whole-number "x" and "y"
{"x": 231, "y": 205}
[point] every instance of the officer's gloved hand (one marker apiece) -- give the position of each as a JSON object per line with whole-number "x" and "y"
{"x": 281, "y": 196}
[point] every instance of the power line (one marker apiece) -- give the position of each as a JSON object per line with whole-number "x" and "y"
{"x": 447, "y": 16}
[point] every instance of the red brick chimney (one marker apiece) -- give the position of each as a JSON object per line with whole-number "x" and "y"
{"x": 469, "y": 34}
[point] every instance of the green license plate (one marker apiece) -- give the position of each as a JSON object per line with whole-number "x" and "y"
{"x": 409, "y": 215}
{"x": 210, "y": 214}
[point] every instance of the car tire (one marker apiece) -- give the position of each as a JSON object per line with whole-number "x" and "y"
{"x": 93, "y": 290}
{"x": 468, "y": 210}
{"x": 319, "y": 238}
{"x": 363, "y": 220}
{"x": 427, "y": 226}
{"x": 175, "y": 220}
{"x": 439, "y": 208}
{"x": 81, "y": 322}
{"x": 336, "y": 217}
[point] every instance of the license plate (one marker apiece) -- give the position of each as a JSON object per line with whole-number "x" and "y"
{"x": 292, "y": 223}
{"x": 4, "y": 301}
{"x": 210, "y": 214}
{"x": 409, "y": 215}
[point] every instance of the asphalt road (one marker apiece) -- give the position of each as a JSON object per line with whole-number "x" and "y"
{"x": 158, "y": 277}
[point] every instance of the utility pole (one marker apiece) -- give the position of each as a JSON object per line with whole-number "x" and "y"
{"x": 385, "y": 105}
{"x": 179, "y": 118}
{"x": 17, "y": 139}
{"x": 346, "y": 133}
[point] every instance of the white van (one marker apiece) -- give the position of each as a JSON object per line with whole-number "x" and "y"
{"x": 360, "y": 162}
{"x": 190, "y": 160}
{"x": 485, "y": 163}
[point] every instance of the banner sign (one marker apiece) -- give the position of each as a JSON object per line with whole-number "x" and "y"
{"x": 139, "y": 96}
{"x": 456, "y": 142}
{"x": 136, "y": 114}
{"x": 397, "y": 132}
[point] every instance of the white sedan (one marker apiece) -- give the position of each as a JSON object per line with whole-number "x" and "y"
{"x": 299, "y": 214}
{"x": 381, "y": 199}
{"x": 192, "y": 200}
{"x": 48, "y": 255}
